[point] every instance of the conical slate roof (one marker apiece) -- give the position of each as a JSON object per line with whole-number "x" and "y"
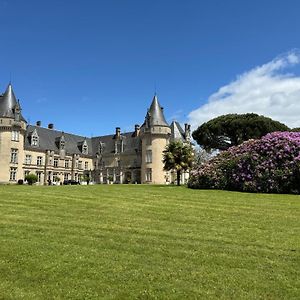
{"x": 8, "y": 103}
{"x": 156, "y": 114}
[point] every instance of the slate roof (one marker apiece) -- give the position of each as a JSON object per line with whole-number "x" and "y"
{"x": 48, "y": 140}
{"x": 132, "y": 144}
{"x": 155, "y": 114}
{"x": 177, "y": 132}
{"x": 8, "y": 103}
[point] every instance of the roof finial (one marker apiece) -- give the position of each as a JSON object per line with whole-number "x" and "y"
{"x": 155, "y": 91}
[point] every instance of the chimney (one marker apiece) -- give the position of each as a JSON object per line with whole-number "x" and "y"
{"x": 50, "y": 126}
{"x": 38, "y": 123}
{"x": 118, "y": 132}
{"x": 187, "y": 131}
{"x": 136, "y": 130}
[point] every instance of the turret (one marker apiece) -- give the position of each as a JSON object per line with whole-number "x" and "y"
{"x": 12, "y": 132}
{"x": 155, "y": 134}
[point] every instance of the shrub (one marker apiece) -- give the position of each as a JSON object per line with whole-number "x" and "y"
{"x": 31, "y": 179}
{"x": 270, "y": 164}
{"x": 20, "y": 181}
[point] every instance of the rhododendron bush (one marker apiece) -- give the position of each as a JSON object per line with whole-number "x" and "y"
{"x": 270, "y": 164}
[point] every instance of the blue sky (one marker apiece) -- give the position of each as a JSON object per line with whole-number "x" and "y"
{"x": 89, "y": 66}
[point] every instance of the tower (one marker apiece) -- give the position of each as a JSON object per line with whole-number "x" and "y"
{"x": 155, "y": 135}
{"x": 12, "y": 132}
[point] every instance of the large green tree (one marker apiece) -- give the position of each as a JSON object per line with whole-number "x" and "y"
{"x": 178, "y": 157}
{"x": 233, "y": 129}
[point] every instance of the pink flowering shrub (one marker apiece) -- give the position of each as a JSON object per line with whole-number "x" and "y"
{"x": 270, "y": 165}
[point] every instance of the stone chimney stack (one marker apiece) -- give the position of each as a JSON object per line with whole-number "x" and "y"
{"x": 50, "y": 126}
{"x": 38, "y": 123}
{"x": 118, "y": 132}
{"x": 136, "y": 130}
{"x": 187, "y": 131}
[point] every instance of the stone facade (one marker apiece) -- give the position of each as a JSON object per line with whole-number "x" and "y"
{"x": 55, "y": 156}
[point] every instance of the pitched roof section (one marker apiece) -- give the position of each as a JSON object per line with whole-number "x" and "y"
{"x": 8, "y": 103}
{"x": 48, "y": 140}
{"x": 177, "y": 132}
{"x": 155, "y": 114}
{"x": 132, "y": 144}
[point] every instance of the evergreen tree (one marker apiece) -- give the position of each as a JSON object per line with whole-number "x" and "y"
{"x": 233, "y": 129}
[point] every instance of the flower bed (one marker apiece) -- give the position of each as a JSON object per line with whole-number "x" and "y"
{"x": 270, "y": 164}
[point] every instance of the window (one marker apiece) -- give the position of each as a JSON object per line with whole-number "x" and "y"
{"x": 55, "y": 162}
{"x": 14, "y": 156}
{"x": 116, "y": 147}
{"x": 13, "y": 174}
{"x": 50, "y": 161}
{"x": 100, "y": 147}
{"x": 15, "y": 134}
{"x": 148, "y": 174}
{"x": 66, "y": 176}
{"x": 34, "y": 139}
{"x": 86, "y": 165}
{"x": 39, "y": 160}
{"x": 26, "y": 173}
{"x": 28, "y": 159}
{"x": 62, "y": 144}
{"x": 66, "y": 163}
{"x": 119, "y": 146}
{"x": 39, "y": 176}
{"x": 85, "y": 149}
{"x": 80, "y": 165}
{"x": 148, "y": 156}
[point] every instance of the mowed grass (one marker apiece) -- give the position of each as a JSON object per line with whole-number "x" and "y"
{"x": 147, "y": 242}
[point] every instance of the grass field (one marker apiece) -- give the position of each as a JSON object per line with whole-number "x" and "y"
{"x": 147, "y": 242}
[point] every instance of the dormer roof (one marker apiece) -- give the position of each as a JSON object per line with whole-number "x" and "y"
{"x": 177, "y": 132}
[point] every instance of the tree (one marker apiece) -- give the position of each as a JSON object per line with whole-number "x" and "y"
{"x": 178, "y": 157}
{"x": 56, "y": 179}
{"x": 233, "y": 129}
{"x": 201, "y": 156}
{"x": 297, "y": 129}
{"x": 31, "y": 178}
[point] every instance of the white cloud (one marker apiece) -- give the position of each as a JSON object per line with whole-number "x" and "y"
{"x": 267, "y": 90}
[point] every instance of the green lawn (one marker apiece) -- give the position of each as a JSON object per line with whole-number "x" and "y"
{"x": 147, "y": 242}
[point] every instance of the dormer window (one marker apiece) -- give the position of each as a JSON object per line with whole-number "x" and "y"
{"x": 34, "y": 139}
{"x": 119, "y": 146}
{"x": 17, "y": 112}
{"x": 85, "y": 149}
{"x": 101, "y": 147}
{"x": 60, "y": 142}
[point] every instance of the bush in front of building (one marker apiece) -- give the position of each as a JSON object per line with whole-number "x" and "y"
{"x": 269, "y": 165}
{"x": 31, "y": 178}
